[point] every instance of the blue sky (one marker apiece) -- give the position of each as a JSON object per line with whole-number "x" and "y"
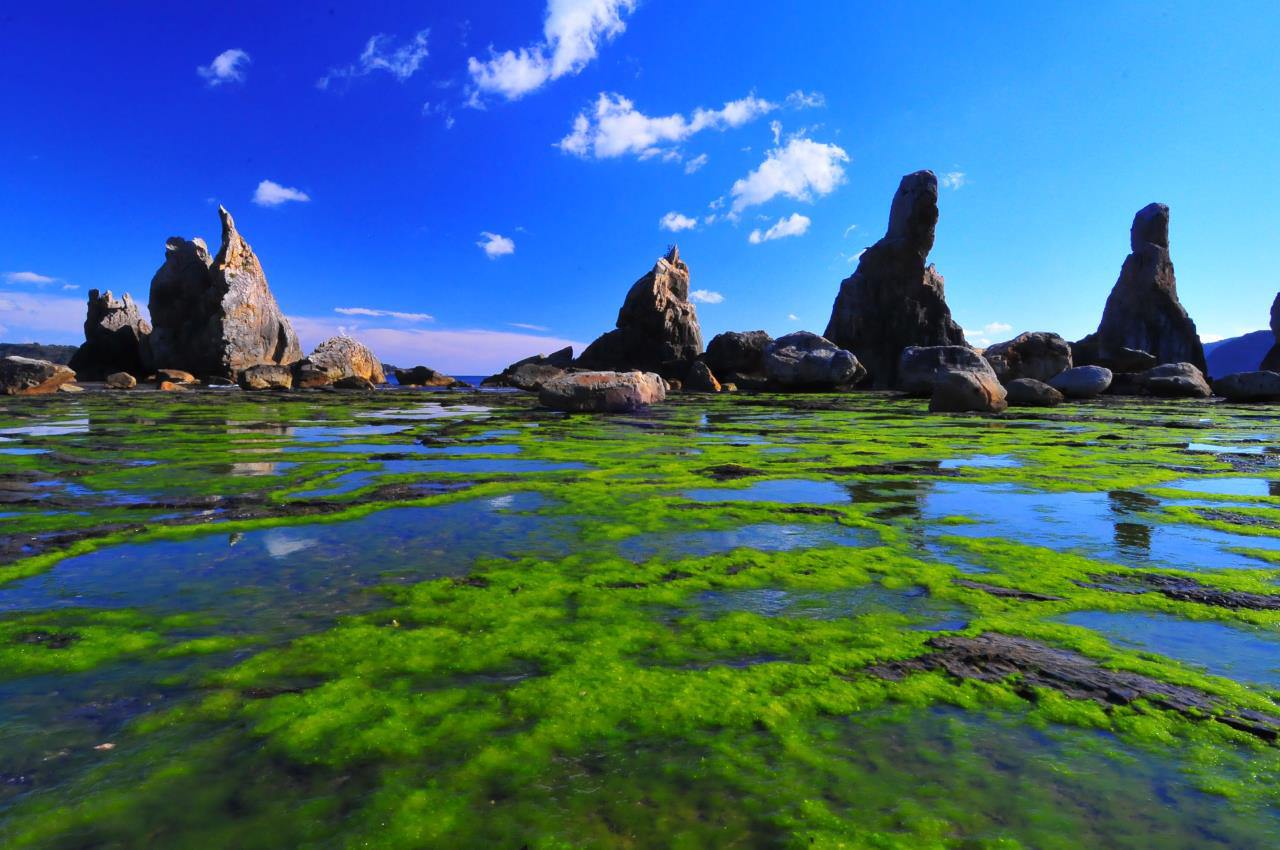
{"x": 370, "y": 152}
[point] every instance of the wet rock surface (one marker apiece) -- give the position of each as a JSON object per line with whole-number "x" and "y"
{"x": 1185, "y": 589}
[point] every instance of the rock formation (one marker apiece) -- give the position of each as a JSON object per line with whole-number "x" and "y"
{"x": 1035, "y": 354}
{"x": 1249, "y": 386}
{"x": 25, "y": 376}
{"x": 894, "y": 299}
{"x": 266, "y": 377}
{"x": 115, "y": 338}
{"x": 531, "y": 373}
{"x": 1176, "y": 380}
{"x": 602, "y": 392}
{"x": 217, "y": 317}
{"x": 968, "y": 390}
{"x": 920, "y": 367}
{"x": 804, "y": 360}
{"x": 657, "y": 328}
{"x": 1082, "y": 381}
{"x": 1271, "y": 362}
{"x": 343, "y": 357}
{"x": 425, "y": 376}
{"x": 701, "y": 379}
{"x": 738, "y": 357}
{"x": 1028, "y": 392}
{"x": 1143, "y": 312}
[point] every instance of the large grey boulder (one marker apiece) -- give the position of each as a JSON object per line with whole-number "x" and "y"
{"x": 733, "y": 354}
{"x": 216, "y": 317}
{"x": 1263, "y": 385}
{"x": 343, "y": 357}
{"x": 1143, "y": 312}
{"x": 968, "y": 391}
{"x": 531, "y": 373}
{"x": 1028, "y": 392}
{"x": 603, "y": 392}
{"x": 920, "y": 367}
{"x": 1038, "y": 355}
{"x": 115, "y": 338}
{"x": 804, "y": 360}
{"x": 657, "y": 327}
{"x": 1082, "y": 381}
{"x": 1176, "y": 380}
{"x": 27, "y": 376}
{"x": 895, "y": 299}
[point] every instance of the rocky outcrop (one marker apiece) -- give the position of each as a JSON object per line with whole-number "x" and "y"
{"x": 1082, "y": 381}
{"x": 115, "y": 338}
{"x": 657, "y": 328}
{"x": 531, "y": 373}
{"x": 1271, "y": 362}
{"x": 266, "y": 377}
{"x": 27, "y": 376}
{"x": 1028, "y": 392}
{"x": 895, "y": 299}
{"x": 217, "y": 317}
{"x": 969, "y": 390}
{"x": 920, "y": 367}
{"x": 1035, "y": 354}
{"x": 1263, "y": 385}
{"x": 701, "y": 379}
{"x": 806, "y": 361}
{"x": 603, "y": 392}
{"x": 738, "y": 357}
{"x": 1143, "y": 311}
{"x": 176, "y": 376}
{"x": 424, "y": 376}
{"x": 1176, "y": 380}
{"x": 343, "y": 357}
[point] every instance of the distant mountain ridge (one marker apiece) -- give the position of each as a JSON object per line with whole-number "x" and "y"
{"x": 1238, "y": 353}
{"x": 38, "y": 351}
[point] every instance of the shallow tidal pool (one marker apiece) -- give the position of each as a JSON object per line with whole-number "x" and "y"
{"x": 414, "y": 620}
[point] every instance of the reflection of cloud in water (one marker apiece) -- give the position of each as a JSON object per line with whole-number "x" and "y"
{"x": 280, "y": 544}
{"x": 502, "y": 503}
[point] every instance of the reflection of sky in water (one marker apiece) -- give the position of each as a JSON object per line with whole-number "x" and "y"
{"x": 1226, "y": 486}
{"x": 49, "y": 429}
{"x": 783, "y": 490}
{"x": 469, "y": 466}
{"x": 764, "y": 537}
{"x": 430, "y": 410}
{"x": 981, "y": 462}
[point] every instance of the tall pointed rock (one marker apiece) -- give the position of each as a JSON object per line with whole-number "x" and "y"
{"x": 895, "y": 299}
{"x": 1143, "y": 312}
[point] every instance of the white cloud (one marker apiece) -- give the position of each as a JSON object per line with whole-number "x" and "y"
{"x": 227, "y": 67}
{"x": 495, "y": 246}
{"x": 400, "y": 62}
{"x": 389, "y": 314}
{"x": 29, "y": 278}
{"x": 952, "y": 180}
{"x": 849, "y": 230}
{"x": 572, "y": 34}
{"x": 796, "y": 225}
{"x": 984, "y": 336}
{"x": 706, "y": 296}
{"x": 271, "y": 194}
{"x": 799, "y": 99}
{"x": 800, "y": 170}
{"x": 675, "y": 222}
{"x": 527, "y": 327}
{"x": 42, "y": 317}
{"x": 792, "y": 317}
{"x": 616, "y": 128}
{"x": 457, "y": 352}
{"x": 775, "y": 127}
{"x": 695, "y": 163}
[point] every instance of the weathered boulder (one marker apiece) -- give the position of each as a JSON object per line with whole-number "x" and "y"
{"x": 894, "y": 299}
{"x": 657, "y": 327}
{"x": 115, "y": 338}
{"x": 353, "y": 382}
{"x": 70, "y": 388}
{"x": 531, "y": 373}
{"x": 343, "y": 357}
{"x": 1082, "y": 381}
{"x": 1035, "y": 354}
{"x": 171, "y": 387}
{"x": 424, "y": 376}
{"x": 1028, "y": 392}
{"x": 217, "y": 317}
{"x": 1176, "y": 380}
{"x": 920, "y": 366}
{"x": 603, "y": 392}
{"x": 266, "y": 377}
{"x": 737, "y": 353}
{"x": 1263, "y": 385}
{"x": 700, "y": 379}
{"x": 176, "y": 376}
{"x": 309, "y": 377}
{"x": 27, "y": 376}
{"x": 961, "y": 391}
{"x": 804, "y": 360}
{"x": 1143, "y": 312}
{"x": 121, "y": 381}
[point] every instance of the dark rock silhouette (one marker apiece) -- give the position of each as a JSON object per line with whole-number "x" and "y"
{"x": 1143, "y": 312}
{"x": 1038, "y": 355}
{"x": 217, "y": 317}
{"x": 61, "y": 354}
{"x": 894, "y": 299}
{"x": 26, "y": 376}
{"x": 1249, "y": 386}
{"x": 804, "y": 360}
{"x": 657, "y": 328}
{"x": 531, "y": 373}
{"x": 1271, "y": 362}
{"x": 115, "y": 338}
{"x": 920, "y": 367}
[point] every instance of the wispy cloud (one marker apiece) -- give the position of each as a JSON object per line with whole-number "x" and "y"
{"x": 29, "y": 278}
{"x": 614, "y": 127}
{"x": 800, "y": 99}
{"x": 271, "y": 194}
{"x": 988, "y": 333}
{"x": 381, "y": 54}
{"x": 527, "y": 327}
{"x": 495, "y": 245}
{"x": 952, "y": 180}
{"x": 571, "y": 37}
{"x": 229, "y": 66}
{"x": 696, "y": 163}
{"x": 794, "y": 225}
{"x": 389, "y": 314}
{"x": 706, "y": 296}
{"x": 42, "y": 317}
{"x": 675, "y": 222}
{"x": 792, "y": 317}
{"x": 800, "y": 170}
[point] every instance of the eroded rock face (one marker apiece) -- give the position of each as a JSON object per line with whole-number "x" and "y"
{"x": 1082, "y": 381}
{"x": 804, "y": 360}
{"x": 266, "y": 377}
{"x": 27, "y": 376}
{"x": 343, "y": 357}
{"x": 963, "y": 391}
{"x": 115, "y": 338}
{"x": 920, "y": 367}
{"x": 217, "y": 317}
{"x": 1035, "y": 354}
{"x": 894, "y": 299}
{"x": 1143, "y": 311}
{"x": 1028, "y": 392}
{"x": 657, "y": 328}
{"x": 1176, "y": 380}
{"x": 1263, "y": 385}
{"x": 603, "y": 392}
{"x": 700, "y": 379}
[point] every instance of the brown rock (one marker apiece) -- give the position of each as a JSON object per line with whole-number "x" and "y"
{"x": 700, "y": 379}
{"x": 176, "y": 376}
{"x": 343, "y": 357}
{"x": 1028, "y": 392}
{"x": 423, "y": 376}
{"x": 308, "y": 377}
{"x": 353, "y": 382}
{"x": 121, "y": 381}
{"x": 1176, "y": 380}
{"x": 1249, "y": 386}
{"x": 266, "y": 377}
{"x": 603, "y": 392}
{"x": 27, "y": 376}
{"x": 171, "y": 387}
{"x": 958, "y": 392}
{"x": 920, "y": 366}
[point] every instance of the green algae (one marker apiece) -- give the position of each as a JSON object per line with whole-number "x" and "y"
{"x": 591, "y": 700}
